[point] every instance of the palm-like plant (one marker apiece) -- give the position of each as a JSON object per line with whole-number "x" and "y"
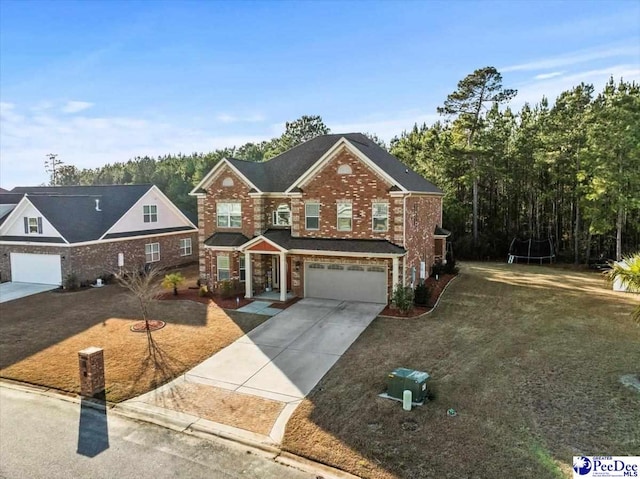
{"x": 627, "y": 272}
{"x": 172, "y": 281}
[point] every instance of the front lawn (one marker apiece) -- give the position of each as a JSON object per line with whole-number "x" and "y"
{"x": 530, "y": 357}
{"x": 40, "y": 337}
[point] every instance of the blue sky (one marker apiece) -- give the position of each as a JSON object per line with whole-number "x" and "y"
{"x": 100, "y": 82}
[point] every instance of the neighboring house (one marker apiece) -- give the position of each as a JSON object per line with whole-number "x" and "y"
{"x": 335, "y": 217}
{"x": 48, "y": 233}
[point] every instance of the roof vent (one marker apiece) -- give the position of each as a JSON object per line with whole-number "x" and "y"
{"x": 98, "y": 204}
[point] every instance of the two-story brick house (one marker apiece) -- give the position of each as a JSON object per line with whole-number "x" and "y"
{"x": 335, "y": 217}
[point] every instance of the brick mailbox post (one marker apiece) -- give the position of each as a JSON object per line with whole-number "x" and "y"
{"x": 91, "y": 371}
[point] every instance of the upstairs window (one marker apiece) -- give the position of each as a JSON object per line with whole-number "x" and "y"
{"x": 345, "y": 211}
{"x": 227, "y": 182}
{"x": 229, "y": 215}
{"x": 282, "y": 216}
{"x": 312, "y": 216}
{"x": 33, "y": 225}
{"x": 380, "y": 215}
{"x": 150, "y": 213}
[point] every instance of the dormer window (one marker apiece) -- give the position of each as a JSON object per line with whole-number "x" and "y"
{"x": 33, "y": 226}
{"x": 282, "y": 216}
{"x": 150, "y": 213}
{"x": 227, "y": 182}
{"x": 344, "y": 170}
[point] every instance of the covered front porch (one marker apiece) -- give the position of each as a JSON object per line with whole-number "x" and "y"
{"x": 268, "y": 271}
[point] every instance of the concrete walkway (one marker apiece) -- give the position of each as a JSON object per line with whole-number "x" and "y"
{"x": 11, "y": 291}
{"x": 279, "y": 361}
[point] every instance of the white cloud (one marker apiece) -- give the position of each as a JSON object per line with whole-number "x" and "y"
{"x": 573, "y": 59}
{"x": 546, "y": 76}
{"x": 253, "y": 118}
{"x": 532, "y": 91}
{"x": 27, "y": 136}
{"x": 76, "y": 106}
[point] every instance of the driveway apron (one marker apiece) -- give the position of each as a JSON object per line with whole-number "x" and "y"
{"x": 285, "y": 357}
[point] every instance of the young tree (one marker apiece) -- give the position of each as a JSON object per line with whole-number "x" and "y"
{"x": 145, "y": 288}
{"x": 475, "y": 94}
{"x": 172, "y": 281}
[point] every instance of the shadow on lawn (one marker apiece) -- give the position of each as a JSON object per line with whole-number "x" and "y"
{"x": 33, "y": 324}
{"x": 510, "y": 352}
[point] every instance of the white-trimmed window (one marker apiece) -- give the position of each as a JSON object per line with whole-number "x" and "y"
{"x": 185, "y": 247}
{"x": 229, "y": 215}
{"x": 242, "y": 271}
{"x": 345, "y": 211}
{"x": 223, "y": 268}
{"x": 33, "y": 225}
{"x": 380, "y": 216}
{"x": 227, "y": 182}
{"x": 312, "y": 216}
{"x": 282, "y": 216}
{"x": 152, "y": 252}
{"x": 150, "y": 213}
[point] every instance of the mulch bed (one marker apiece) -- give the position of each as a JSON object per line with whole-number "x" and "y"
{"x": 286, "y": 304}
{"x": 194, "y": 295}
{"x": 141, "y": 326}
{"x": 435, "y": 288}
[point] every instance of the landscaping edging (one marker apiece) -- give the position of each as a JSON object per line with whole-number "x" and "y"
{"x": 428, "y": 312}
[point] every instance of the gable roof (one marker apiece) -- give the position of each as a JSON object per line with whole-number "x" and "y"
{"x": 59, "y": 203}
{"x": 282, "y": 172}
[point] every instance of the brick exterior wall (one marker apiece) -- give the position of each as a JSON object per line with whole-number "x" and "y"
{"x": 91, "y": 261}
{"x": 361, "y": 188}
{"x": 423, "y": 215}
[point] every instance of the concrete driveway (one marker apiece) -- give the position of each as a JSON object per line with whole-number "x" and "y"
{"x": 11, "y": 291}
{"x": 285, "y": 357}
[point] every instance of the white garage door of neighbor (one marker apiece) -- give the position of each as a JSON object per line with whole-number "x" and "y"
{"x": 347, "y": 282}
{"x": 36, "y": 268}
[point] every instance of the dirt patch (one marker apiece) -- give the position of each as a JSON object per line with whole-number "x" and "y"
{"x": 530, "y": 357}
{"x": 248, "y": 412}
{"x": 143, "y": 327}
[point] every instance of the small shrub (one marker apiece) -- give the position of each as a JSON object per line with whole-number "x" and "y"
{"x": 173, "y": 280}
{"x": 421, "y": 294}
{"x": 107, "y": 278}
{"x": 226, "y": 287}
{"x": 403, "y": 298}
{"x": 450, "y": 267}
{"x": 437, "y": 269}
{"x": 203, "y": 291}
{"x": 71, "y": 282}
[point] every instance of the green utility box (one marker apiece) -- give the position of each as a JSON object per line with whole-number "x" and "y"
{"x": 402, "y": 379}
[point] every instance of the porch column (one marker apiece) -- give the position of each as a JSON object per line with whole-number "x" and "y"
{"x": 283, "y": 277}
{"x": 248, "y": 276}
{"x": 395, "y": 273}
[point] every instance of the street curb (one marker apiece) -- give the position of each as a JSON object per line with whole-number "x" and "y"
{"x": 322, "y": 471}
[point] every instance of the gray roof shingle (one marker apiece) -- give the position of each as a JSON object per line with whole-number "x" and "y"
{"x": 72, "y": 209}
{"x": 280, "y": 172}
{"x": 283, "y": 238}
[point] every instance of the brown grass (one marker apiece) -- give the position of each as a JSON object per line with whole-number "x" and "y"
{"x": 220, "y": 405}
{"x": 530, "y": 357}
{"x": 40, "y": 337}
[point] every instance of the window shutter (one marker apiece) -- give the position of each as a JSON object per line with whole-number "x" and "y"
{"x": 39, "y": 224}
{"x": 26, "y": 225}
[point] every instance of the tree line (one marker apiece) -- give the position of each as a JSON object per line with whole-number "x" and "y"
{"x": 568, "y": 171}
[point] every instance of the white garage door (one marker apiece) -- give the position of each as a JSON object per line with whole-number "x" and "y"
{"x": 347, "y": 282}
{"x": 36, "y": 268}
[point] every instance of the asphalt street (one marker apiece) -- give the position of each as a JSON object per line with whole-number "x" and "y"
{"x": 44, "y": 437}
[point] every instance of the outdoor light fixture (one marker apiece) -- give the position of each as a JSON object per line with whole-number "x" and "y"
{"x": 297, "y": 265}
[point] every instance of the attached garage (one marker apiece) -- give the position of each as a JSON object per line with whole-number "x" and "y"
{"x": 36, "y": 268}
{"x": 347, "y": 282}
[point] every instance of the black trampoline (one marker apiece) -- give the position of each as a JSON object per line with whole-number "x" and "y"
{"x": 530, "y": 250}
